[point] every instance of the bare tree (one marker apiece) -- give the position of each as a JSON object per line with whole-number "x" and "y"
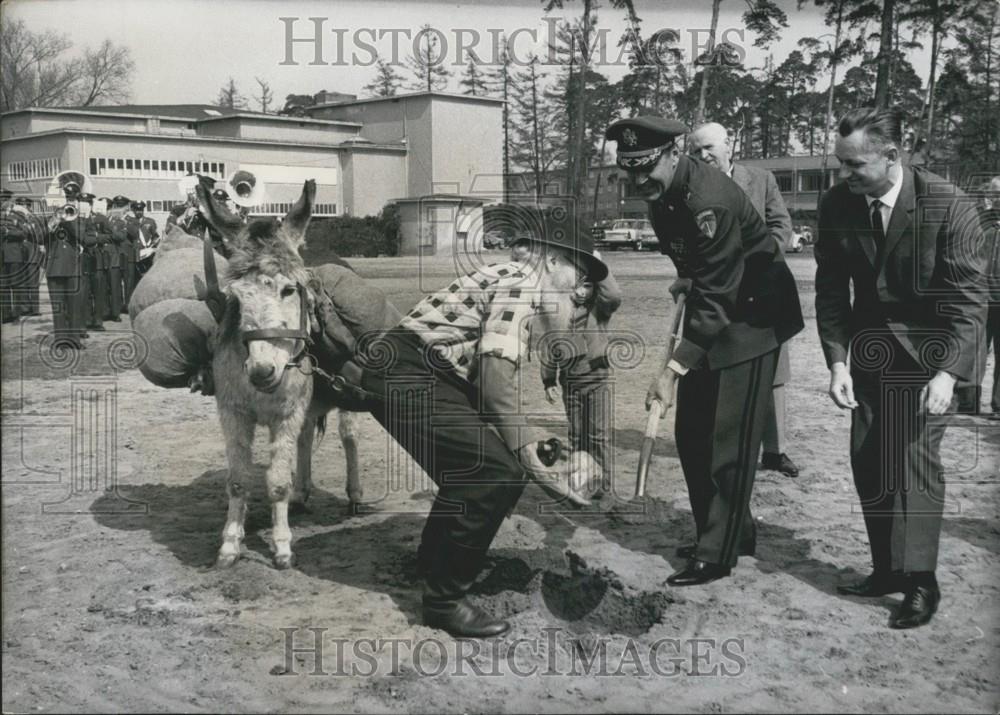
{"x": 105, "y": 75}
{"x": 35, "y": 73}
{"x": 229, "y": 96}
{"x": 266, "y": 95}
{"x": 473, "y": 80}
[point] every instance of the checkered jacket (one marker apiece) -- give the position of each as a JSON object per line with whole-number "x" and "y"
{"x": 486, "y": 312}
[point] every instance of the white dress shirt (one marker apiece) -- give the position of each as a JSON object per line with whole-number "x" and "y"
{"x": 889, "y": 198}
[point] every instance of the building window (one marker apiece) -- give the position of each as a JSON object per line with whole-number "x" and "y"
{"x": 784, "y": 179}
{"x": 809, "y": 181}
{"x": 173, "y": 166}
{"x": 93, "y": 167}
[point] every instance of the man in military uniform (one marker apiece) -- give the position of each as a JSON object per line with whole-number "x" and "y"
{"x": 107, "y": 253}
{"x": 130, "y": 252}
{"x": 63, "y": 273}
{"x": 742, "y": 305}
{"x": 149, "y": 238}
{"x": 116, "y": 224}
{"x": 119, "y": 236}
{"x": 93, "y": 303}
{"x": 34, "y": 254}
{"x": 12, "y": 277}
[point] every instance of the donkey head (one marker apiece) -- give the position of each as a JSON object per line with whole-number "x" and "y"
{"x": 269, "y": 309}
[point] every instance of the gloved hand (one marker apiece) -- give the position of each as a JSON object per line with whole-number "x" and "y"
{"x": 681, "y": 285}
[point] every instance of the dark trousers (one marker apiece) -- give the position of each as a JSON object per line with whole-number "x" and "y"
{"x": 588, "y": 402}
{"x": 129, "y": 278}
{"x": 115, "y": 295}
{"x": 11, "y": 291}
{"x": 433, "y": 415}
{"x": 895, "y": 456}
{"x": 99, "y": 298}
{"x": 993, "y": 337}
{"x": 65, "y": 295}
{"x": 33, "y": 278}
{"x": 719, "y": 426}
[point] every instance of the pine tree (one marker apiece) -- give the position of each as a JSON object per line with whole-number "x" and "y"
{"x": 386, "y": 82}
{"x": 473, "y": 80}
{"x": 428, "y": 65}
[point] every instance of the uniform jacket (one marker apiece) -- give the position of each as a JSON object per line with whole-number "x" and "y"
{"x": 762, "y": 189}
{"x": 104, "y": 245}
{"x": 90, "y": 258}
{"x": 14, "y": 231}
{"x": 129, "y": 248}
{"x": 63, "y": 255}
{"x": 743, "y": 301}
{"x": 930, "y": 283}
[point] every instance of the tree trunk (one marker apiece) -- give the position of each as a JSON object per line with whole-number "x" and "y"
{"x": 534, "y": 135}
{"x": 597, "y": 178}
{"x": 884, "y": 56}
{"x": 931, "y": 84}
{"x": 699, "y": 116}
{"x": 829, "y": 104}
{"x": 580, "y": 131}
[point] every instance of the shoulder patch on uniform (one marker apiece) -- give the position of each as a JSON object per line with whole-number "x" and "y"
{"x": 706, "y": 222}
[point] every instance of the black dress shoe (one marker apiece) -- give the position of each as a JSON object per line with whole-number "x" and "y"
{"x": 698, "y": 572}
{"x": 919, "y": 605}
{"x": 463, "y": 620}
{"x": 779, "y": 463}
{"x": 686, "y": 551}
{"x": 874, "y": 585}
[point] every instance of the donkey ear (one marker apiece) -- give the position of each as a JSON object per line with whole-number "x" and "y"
{"x": 297, "y": 220}
{"x": 220, "y": 218}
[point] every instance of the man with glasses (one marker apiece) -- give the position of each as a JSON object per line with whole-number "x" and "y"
{"x": 742, "y": 305}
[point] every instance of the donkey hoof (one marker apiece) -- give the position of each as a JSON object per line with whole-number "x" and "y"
{"x": 284, "y": 562}
{"x": 225, "y": 561}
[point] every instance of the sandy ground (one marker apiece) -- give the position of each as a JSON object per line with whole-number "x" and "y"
{"x": 113, "y": 503}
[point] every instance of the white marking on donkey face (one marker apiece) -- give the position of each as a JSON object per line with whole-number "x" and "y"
{"x": 268, "y": 302}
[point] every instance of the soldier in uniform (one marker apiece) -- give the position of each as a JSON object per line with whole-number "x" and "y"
{"x": 130, "y": 252}
{"x": 107, "y": 254}
{"x": 742, "y": 305}
{"x": 63, "y": 273}
{"x": 12, "y": 278}
{"x": 116, "y": 224}
{"x": 93, "y": 304}
{"x": 149, "y": 239}
{"x": 34, "y": 255}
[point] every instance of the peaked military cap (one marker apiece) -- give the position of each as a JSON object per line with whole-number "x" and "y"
{"x": 120, "y": 200}
{"x": 641, "y": 140}
{"x": 86, "y": 198}
{"x": 138, "y": 205}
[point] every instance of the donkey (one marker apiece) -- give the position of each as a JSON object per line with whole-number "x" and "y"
{"x": 265, "y": 326}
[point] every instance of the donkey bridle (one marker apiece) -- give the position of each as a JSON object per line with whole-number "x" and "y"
{"x": 216, "y": 301}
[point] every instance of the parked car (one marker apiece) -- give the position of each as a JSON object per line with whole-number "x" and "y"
{"x": 635, "y": 233}
{"x": 597, "y": 231}
{"x": 495, "y": 239}
{"x": 801, "y": 237}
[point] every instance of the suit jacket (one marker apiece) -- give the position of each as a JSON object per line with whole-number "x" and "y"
{"x": 928, "y": 285}
{"x": 762, "y": 189}
{"x": 743, "y": 302}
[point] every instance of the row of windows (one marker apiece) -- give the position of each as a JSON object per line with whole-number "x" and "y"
{"x": 154, "y": 168}
{"x": 33, "y": 169}
{"x": 271, "y": 209}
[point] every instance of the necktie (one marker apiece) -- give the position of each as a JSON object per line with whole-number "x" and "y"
{"x": 878, "y": 228}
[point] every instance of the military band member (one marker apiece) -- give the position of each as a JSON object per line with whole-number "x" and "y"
{"x": 34, "y": 254}
{"x": 116, "y": 224}
{"x": 742, "y": 305}
{"x": 130, "y": 251}
{"x": 91, "y": 264}
{"x": 63, "y": 273}
{"x": 110, "y": 308}
{"x": 14, "y": 231}
{"x": 149, "y": 239}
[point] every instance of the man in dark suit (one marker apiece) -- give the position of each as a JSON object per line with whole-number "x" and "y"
{"x": 711, "y": 142}
{"x": 904, "y": 240}
{"x": 34, "y": 254}
{"x": 742, "y": 305}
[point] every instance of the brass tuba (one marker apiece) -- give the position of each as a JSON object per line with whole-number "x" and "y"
{"x": 73, "y": 183}
{"x": 245, "y": 188}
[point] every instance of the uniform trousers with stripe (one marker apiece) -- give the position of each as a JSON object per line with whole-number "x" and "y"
{"x": 719, "y": 426}
{"x": 434, "y": 415}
